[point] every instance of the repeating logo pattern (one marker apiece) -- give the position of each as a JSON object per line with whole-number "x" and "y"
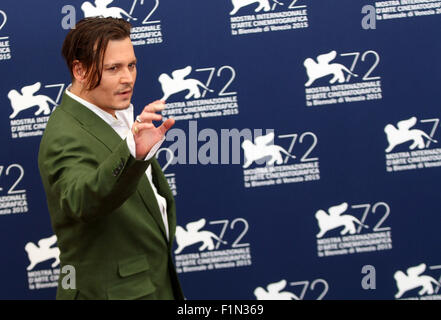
{"x": 263, "y": 149}
{"x": 143, "y": 15}
{"x": 341, "y": 233}
{"x": 100, "y": 9}
{"x": 257, "y": 16}
{"x": 209, "y": 250}
{"x": 413, "y": 284}
{"x": 188, "y": 97}
{"x": 335, "y": 219}
{"x": 409, "y": 148}
{"x": 31, "y": 106}
{"x": 281, "y": 165}
{"x": 177, "y": 83}
{"x": 324, "y": 69}
{"x": 395, "y": 9}
{"x": 38, "y": 254}
{"x": 281, "y": 290}
{"x": 27, "y": 99}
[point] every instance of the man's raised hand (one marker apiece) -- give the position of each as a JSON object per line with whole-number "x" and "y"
{"x": 145, "y": 133}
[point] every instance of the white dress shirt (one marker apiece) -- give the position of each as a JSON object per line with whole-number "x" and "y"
{"x": 122, "y": 125}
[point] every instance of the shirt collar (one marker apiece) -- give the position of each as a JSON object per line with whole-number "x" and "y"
{"x": 122, "y": 115}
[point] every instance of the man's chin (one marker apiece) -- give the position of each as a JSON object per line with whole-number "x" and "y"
{"x": 122, "y": 106}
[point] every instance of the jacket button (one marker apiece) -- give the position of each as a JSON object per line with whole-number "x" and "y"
{"x": 121, "y": 165}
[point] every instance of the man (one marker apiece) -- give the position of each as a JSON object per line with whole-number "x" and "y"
{"x": 110, "y": 205}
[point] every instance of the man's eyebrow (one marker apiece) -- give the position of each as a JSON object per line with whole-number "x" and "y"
{"x": 112, "y": 64}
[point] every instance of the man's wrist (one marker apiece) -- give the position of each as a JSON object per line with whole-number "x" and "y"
{"x": 154, "y": 149}
{"x": 132, "y": 148}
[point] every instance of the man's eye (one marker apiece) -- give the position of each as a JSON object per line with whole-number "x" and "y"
{"x": 132, "y": 65}
{"x": 112, "y": 68}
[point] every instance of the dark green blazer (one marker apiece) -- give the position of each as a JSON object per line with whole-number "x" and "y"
{"x": 104, "y": 212}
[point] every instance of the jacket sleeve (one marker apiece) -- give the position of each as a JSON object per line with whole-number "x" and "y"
{"x": 79, "y": 184}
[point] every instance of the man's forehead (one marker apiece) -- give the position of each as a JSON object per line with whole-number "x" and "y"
{"x": 119, "y": 51}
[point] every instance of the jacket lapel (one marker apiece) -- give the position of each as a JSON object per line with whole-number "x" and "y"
{"x": 104, "y": 133}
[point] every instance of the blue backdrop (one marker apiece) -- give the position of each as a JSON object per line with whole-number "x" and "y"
{"x": 353, "y": 96}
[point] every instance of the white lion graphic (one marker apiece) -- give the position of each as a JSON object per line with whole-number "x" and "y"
{"x": 323, "y": 68}
{"x": 413, "y": 279}
{"x": 177, "y": 83}
{"x": 42, "y": 252}
{"x": 192, "y": 235}
{"x": 100, "y": 9}
{"x": 263, "y": 5}
{"x": 334, "y": 220}
{"x": 274, "y": 292}
{"x": 404, "y": 134}
{"x": 263, "y": 148}
{"x": 26, "y": 100}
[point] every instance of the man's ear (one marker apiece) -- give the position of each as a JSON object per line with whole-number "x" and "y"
{"x": 78, "y": 71}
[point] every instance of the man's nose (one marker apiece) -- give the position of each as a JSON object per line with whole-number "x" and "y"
{"x": 127, "y": 76}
